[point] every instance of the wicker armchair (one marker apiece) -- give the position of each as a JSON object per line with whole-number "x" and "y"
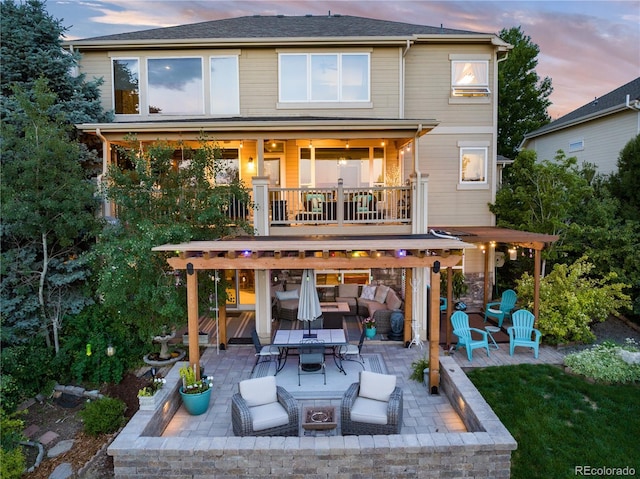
{"x": 372, "y": 406}
{"x": 254, "y": 411}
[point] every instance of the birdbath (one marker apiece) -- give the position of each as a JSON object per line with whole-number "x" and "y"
{"x": 164, "y": 347}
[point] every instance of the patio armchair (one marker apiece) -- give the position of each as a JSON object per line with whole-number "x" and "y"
{"x": 261, "y": 408}
{"x": 522, "y": 333}
{"x": 372, "y": 406}
{"x": 501, "y": 309}
{"x": 461, "y": 328}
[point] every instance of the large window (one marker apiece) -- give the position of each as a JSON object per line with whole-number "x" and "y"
{"x": 473, "y": 165}
{"x": 126, "y": 93}
{"x": 175, "y": 86}
{"x": 470, "y": 78}
{"x": 225, "y": 95}
{"x": 326, "y": 77}
{"x": 322, "y": 167}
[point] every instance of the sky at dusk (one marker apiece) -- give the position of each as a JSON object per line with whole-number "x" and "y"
{"x": 587, "y": 48}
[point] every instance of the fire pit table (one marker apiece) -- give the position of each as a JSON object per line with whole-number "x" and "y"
{"x": 319, "y": 418}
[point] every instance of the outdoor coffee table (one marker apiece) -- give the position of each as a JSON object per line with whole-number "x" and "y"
{"x": 319, "y": 418}
{"x": 490, "y": 330}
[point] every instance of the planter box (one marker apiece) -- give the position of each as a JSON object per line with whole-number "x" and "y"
{"x": 151, "y": 403}
{"x": 203, "y": 339}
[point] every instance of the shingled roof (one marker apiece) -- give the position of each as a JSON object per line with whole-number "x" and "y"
{"x": 609, "y": 103}
{"x": 281, "y": 26}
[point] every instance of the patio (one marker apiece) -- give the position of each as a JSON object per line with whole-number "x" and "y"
{"x": 450, "y": 433}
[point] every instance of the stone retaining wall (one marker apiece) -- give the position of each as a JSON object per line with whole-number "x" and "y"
{"x": 484, "y": 451}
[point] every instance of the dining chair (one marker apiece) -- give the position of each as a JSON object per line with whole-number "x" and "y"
{"x": 311, "y": 358}
{"x": 353, "y": 350}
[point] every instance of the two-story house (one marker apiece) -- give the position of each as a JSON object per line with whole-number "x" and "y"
{"x": 341, "y": 125}
{"x": 594, "y": 133}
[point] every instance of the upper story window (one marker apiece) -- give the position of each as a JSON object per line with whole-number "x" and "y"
{"x": 473, "y": 165}
{"x": 324, "y": 77}
{"x": 470, "y": 78}
{"x": 175, "y": 86}
{"x": 126, "y": 93}
{"x": 576, "y": 145}
{"x": 225, "y": 90}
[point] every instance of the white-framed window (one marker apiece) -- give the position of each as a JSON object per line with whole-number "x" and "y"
{"x": 175, "y": 86}
{"x": 126, "y": 85}
{"x": 324, "y": 77}
{"x": 576, "y": 145}
{"x": 225, "y": 85}
{"x": 470, "y": 78}
{"x": 473, "y": 165}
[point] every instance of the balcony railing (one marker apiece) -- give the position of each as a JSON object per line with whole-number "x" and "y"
{"x": 340, "y": 205}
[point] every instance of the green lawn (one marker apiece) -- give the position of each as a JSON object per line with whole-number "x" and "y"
{"x": 561, "y": 421}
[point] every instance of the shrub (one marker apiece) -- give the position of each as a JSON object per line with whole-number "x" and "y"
{"x": 570, "y": 300}
{"x": 25, "y": 372}
{"x": 103, "y": 416}
{"x": 12, "y": 460}
{"x": 602, "y": 362}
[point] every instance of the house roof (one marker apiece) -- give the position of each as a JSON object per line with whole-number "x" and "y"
{"x": 612, "y": 102}
{"x": 284, "y": 26}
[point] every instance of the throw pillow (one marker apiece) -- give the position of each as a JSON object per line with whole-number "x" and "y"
{"x": 282, "y": 295}
{"x": 393, "y": 302}
{"x": 381, "y": 293}
{"x": 368, "y": 292}
{"x": 376, "y": 386}
{"x": 348, "y": 290}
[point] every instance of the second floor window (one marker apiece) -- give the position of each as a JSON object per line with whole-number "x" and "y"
{"x": 225, "y": 91}
{"x": 473, "y": 165}
{"x": 175, "y": 86}
{"x": 470, "y": 78}
{"x": 126, "y": 93}
{"x": 324, "y": 77}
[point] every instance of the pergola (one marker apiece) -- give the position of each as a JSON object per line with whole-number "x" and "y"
{"x": 263, "y": 253}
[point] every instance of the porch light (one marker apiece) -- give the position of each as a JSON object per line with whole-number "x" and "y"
{"x": 242, "y": 144}
{"x": 250, "y": 164}
{"x": 513, "y": 254}
{"x": 347, "y": 145}
{"x": 310, "y": 144}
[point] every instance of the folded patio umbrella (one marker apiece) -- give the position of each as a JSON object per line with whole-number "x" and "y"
{"x": 309, "y": 303}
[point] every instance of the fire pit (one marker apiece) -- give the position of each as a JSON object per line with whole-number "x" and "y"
{"x": 319, "y": 418}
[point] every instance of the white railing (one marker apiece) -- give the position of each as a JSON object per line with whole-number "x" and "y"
{"x": 340, "y": 205}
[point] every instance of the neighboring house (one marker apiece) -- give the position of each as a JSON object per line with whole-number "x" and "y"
{"x": 340, "y": 124}
{"x": 594, "y": 133}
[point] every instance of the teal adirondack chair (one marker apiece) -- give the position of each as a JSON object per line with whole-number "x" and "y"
{"x": 500, "y": 310}
{"x": 522, "y": 333}
{"x": 460, "y": 322}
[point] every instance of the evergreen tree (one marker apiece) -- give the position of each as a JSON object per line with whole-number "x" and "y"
{"x": 523, "y": 98}
{"x": 624, "y": 184}
{"x": 48, "y": 213}
{"x": 31, "y": 49}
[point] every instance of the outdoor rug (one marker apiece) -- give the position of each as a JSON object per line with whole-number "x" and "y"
{"x": 312, "y": 383}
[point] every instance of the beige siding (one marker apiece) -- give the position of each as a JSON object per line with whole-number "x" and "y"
{"x": 428, "y": 86}
{"x": 449, "y": 205}
{"x": 603, "y": 140}
{"x": 98, "y": 65}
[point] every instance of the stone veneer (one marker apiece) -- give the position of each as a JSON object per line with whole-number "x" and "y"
{"x": 484, "y": 451}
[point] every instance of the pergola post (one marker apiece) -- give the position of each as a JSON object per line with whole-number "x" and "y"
{"x": 192, "y": 318}
{"x": 449, "y": 311}
{"x": 408, "y": 307}
{"x": 537, "y": 267}
{"x": 434, "y": 330}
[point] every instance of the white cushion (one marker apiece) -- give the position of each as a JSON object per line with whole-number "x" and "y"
{"x": 369, "y": 411}
{"x": 259, "y": 391}
{"x": 381, "y": 293}
{"x": 368, "y": 292}
{"x": 287, "y": 294}
{"x": 376, "y": 386}
{"x": 495, "y": 311}
{"x": 268, "y": 415}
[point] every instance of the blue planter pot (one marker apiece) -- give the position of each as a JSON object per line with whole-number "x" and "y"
{"x": 370, "y": 332}
{"x": 196, "y": 404}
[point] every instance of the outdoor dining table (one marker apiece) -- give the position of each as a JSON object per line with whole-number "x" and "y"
{"x": 286, "y": 339}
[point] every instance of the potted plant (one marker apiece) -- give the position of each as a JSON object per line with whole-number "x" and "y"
{"x": 458, "y": 286}
{"x": 420, "y": 370}
{"x": 195, "y": 392}
{"x": 370, "y": 326}
{"x": 150, "y": 396}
